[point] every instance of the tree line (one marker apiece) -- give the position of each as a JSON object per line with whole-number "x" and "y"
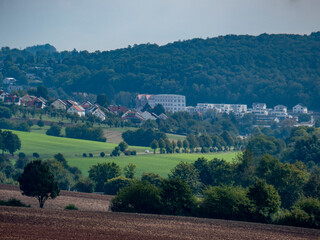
{"x": 205, "y": 70}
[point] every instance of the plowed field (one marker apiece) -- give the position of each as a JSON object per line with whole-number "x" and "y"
{"x": 95, "y": 222}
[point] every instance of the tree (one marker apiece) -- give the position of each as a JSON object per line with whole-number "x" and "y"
{"x": 168, "y": 146}
{"x": 179, "y": 144}
{"x": 176, "y": 197}
{"x": 154, "y": 145}
{"x": 265, "y": 200}
{"x": 38, "y": 181}
{"x": 245, "y": 168}
{"x": 193, "y": 142}
{"x": 113, "y": 185}
{"x": 186, "y": 172}
{"x": 84, "y": 184}
{"x": 54, "y": 130}
{"x": 158, "y": 109}
{"x": 101, "y": 172}
{"x": 162, "y": 144}
{"x": 129, "y": 170}
{"x": 225, "y": 202}
{"x": 312, "y": 187}
{"x": 141, "y": 197}
{"x": 5, "y": 112}
{"x": 152, "y": 178}
{"x": 185, "y": 145}
{"x": 11, "y": 142}
{"x": 123, "y": 146}
{"x": 102, "y": 100}
{"x": 42, "y": 92}
{"x": 40, "y": 123}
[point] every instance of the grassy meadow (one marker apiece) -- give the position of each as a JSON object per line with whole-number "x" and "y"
{"x": 156, "y": 163}
{"x": 72, "y": 149}
{"x": 47, "y": 146}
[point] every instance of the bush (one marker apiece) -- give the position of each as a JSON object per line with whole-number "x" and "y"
{"x": 112, "y": 186}
{"x": 102, "y": 154}
{"x": 84, "y": 184}
{"x": 54, "y": 130}
{"x": 36, "y": 155}
{"x": 177, "y": 150}
{"x": 30, "y": 123}
{"x": 133, "y": 152}
{"x": 90, "y": 155}
{"x": 141, "y": 197}
{"x": 127, "y": 152}
{"x": 13, "y": 202}
{"x": 226, "y": 203}
{"x": 305, "y": 213}
{"x": 152, "y": 178}
{"x": 40, "y": 123}
{"x": 84, "y": 155}
{"x": 70, "y": 207}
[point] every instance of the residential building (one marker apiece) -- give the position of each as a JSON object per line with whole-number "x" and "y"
{"x": 170, "y": 102}
{"x": 10, "y": 99}
{"x": 76, "y": 109}
{"x": 96, "y": 111}
{"x": 59, "y": 104}
{"x": 141, "y": 100}
{"x": 299, "y": 109}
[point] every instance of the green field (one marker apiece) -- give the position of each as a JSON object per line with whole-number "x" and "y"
{"x": 156, "y": 163}
{"x": 47, "y": 146}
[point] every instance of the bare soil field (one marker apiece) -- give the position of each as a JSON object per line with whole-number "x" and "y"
{"x": 95, "y": 221}
{"x": 28, "y": 223}
{"x": 83, "y": 201}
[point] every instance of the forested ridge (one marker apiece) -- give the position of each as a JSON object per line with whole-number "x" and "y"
{"x": 275, "y": 69}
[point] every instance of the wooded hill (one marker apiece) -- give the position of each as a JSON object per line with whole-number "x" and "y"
{"x": 275, "y": 69}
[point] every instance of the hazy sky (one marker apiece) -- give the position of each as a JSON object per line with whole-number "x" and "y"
{"x": 104, "y": 24}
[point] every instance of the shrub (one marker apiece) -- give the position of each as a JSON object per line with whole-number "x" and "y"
{"x": 54, "y": 130}
{"x": 84, "y": 184}
{"x": 70, "y": 207}
{"x": 102, "y": 154}
{"x": 84, "y": 155}
{"x": 90, "y": 155}
{"x": 127, "y": 152}
{"x": 141, "y": 197}
{"x": 40, "y": 123}
{"x": 112, "y": 186}
{"x": 13, "y": 202}
{"x": 36, "y": 155}
{"x": 152, "y": 178}
{"x": 226, "y": 203}
{"x": 177, "y": 150}
{"x": 133, "y": 152}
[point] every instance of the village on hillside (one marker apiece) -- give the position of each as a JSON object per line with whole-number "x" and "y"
{"x": 170, "y": 103}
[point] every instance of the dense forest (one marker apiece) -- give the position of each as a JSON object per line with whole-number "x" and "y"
{"x": 275, "y": 69}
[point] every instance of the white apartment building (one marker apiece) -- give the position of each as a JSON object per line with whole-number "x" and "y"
{"x": 170, "y": 102}
{"x": 299, "y": 108}
{"x": 238, "y": 109}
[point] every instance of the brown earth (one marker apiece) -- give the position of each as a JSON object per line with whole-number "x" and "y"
{"x": 83, "y": 201}
{"x": 95, "y": 222}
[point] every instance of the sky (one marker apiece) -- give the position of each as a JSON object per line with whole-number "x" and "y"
{"x": 106, "y": 25}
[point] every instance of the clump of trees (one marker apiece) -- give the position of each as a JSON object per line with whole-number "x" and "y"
{"x": 82, "y": 131}
{"x": 142, "y": 137}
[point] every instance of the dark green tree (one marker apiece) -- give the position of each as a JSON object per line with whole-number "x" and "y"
{"x": 129, "y": 170}
{"x": 141, "y": 197}
{"x": 176, "y": 197}
{"x": 38, "y": 181}
{"x": 102, "y": 172}
{"x": 265, "y": 200}
{"x": 102, "y": 100}
{"x": 154, "y": 145}
{"x": 123, "y": 146}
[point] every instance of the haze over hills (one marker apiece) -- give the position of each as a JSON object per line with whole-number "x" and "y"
{"x": 275, "y": 69}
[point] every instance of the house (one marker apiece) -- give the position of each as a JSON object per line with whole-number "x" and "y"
{"x": 36, "y": 103}
{"x": 59, "y": 104}
{"x": 2, "y": 95}
{"x": 77, "y": 109}
{"x": 131, "y": 116}
{"x": 87, "y": 106}
{"x": 147, "y": 116}
{"x": 280, "y": 111}
{"x": 260, "y": 109}
{"x": 12, "y": 99}
{"x": 70, "y": 103}
{"x": 96, "y": 111}
{"x": 163, "y": 116}
{"x": 117, "y": 109}
{"x": 9, "y": 81}
{"x": 299, "y": 109}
